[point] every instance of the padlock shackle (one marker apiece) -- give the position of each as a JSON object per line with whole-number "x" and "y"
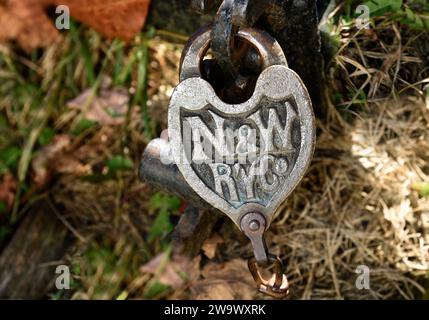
{"x": 268, "y": 48}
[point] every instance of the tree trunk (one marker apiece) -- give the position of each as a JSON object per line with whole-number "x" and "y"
{"x": 28, "y": 262}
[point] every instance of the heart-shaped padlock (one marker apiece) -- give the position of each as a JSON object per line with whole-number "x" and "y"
{"x": 243, "y": 159}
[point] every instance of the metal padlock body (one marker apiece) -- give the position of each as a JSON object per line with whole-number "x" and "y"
{"x": 276, "y": 128}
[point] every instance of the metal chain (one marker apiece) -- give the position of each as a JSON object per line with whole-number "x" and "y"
{"x": 232, "y": 15}
{"x": 223, "y": 35}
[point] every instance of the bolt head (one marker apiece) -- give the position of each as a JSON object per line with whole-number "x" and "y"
{"x": 254, "y": 225}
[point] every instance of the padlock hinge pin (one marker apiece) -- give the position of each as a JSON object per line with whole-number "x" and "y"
{"x": 253, "y": 225}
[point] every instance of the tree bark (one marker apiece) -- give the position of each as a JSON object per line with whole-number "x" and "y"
{"x": 29, "y": 260}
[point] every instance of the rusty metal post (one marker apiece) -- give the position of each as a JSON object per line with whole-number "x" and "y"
{"x": 295, "y": 25}
{"x": 196, "y": 223}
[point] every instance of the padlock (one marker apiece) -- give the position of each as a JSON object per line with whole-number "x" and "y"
{"x": 243, "y": 159}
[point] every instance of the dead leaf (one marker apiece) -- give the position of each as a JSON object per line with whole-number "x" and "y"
{"x": 224, "y": 281}
{"x": 8, "y": 187}
{"x": 69, "y": 164}
{"x": 109, "y": 108}
{"x": 112, "y": 18}
{"x": 210, "y": 245}
{"x": 174, "y": 272}
{"x": 43, "y": 163}
{"x": 26, "y": 21}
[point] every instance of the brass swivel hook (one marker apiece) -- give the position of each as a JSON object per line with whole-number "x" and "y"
{"x": 253, "y": 225}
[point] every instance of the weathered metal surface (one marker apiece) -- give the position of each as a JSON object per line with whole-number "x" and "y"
{"x": 242, "y": 158}
{"x": 277, "y": 285}
{"x": 159, "y": 170}
{"x": 257, "y": 57}
{"x": 222, "y": 40}
{"x": 193, "y": 229}
{"x": 268, "y": 50}
{"x": 278, "y": 116}
{"x": 293, "y": 23}
{"x": 253, "y": 226}
{"x": 232, "y": 15}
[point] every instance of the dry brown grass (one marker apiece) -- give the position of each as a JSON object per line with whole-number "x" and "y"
{"x": 356, "y": 207}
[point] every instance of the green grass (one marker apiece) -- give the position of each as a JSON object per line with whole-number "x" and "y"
{"x": 34, "y": 91}
{"x": 163, "y": 206}
{"x": 35, "y": 87}
{"x": 412, "y": 13}
{"x": 105, "y": 269}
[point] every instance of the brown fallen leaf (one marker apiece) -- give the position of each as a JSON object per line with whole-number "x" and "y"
{"x": 69, "y": 164}
{"x": 112, "y": 18}
{"x": 26, "y": 21}
{"x": 174, "y": 271}
{"x": 43, "y": 163}
{"x": 210, "y": 245}
{"x": 224, "y": 281}
{"x": 8, "y": 187}
{"x": 62, "y": 156}
{"x": 108, "y": 108}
